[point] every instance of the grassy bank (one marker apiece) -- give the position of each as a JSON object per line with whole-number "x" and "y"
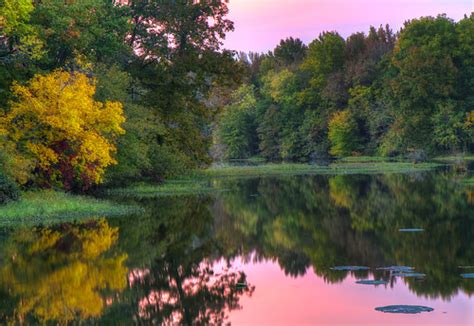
{"x": 179, "y": 187}
{"x": 52, "y": 207}
{"x": 340, "y": 167}
{"x": 203, "y": 182}
{"x": 456, "y": 158}
{"x": 469, "y": 181}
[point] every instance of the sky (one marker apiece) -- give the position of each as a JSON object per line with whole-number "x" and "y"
{"x": 261, "y": 24}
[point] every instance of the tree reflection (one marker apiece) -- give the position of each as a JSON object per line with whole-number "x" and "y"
{"x": 60, "y": 273}
{"x": 324, "y": 221}
{"x": 186, "y": 282}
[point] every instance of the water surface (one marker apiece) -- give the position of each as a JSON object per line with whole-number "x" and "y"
{"x": 259, "y": 253}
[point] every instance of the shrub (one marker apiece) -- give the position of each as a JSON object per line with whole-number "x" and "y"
{"x": 9, "y": 191}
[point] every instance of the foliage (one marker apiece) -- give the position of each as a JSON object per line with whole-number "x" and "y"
{"x": 70, "y": 137}
{"x": 9, "y": 191}
{"x": 343, "y": 134}
{"x": 404, "y": 92}
{"x": 73, "y": 31}
{"x": 237, "y": 128}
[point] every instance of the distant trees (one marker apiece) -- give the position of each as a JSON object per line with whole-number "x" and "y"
{"x": 379, "y": 93}
{"x": 237, "y": 128}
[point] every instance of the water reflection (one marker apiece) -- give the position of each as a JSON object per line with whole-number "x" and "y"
{"x": 322, "y": 222}
{"x": 60, "y": 273}
{"x": 185, "y": 260}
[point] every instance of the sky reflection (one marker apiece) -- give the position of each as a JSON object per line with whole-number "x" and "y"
{"x": 311, "y": 300}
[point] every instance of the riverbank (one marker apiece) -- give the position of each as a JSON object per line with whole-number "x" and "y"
{"x": 206, "y": 181}
{"x": 47, "y": 206}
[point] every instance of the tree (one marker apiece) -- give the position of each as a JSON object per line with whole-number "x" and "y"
{"x": 19, "y": 44}
{"x": 343, "y": 134}
{"x": 325, "y": 56}
{"x": 67, "y": 135}
{"x": 290, "y": 51}
{"x": 425, "y": 76}
{"x": 465, "y": 53}
{"x": 237, "y": 125}
{"x": 179, "y": 61}
{"x": 449, "y": 126}
{"x": 268, "y": 133}
{"x": 17, "y": 35}
{"x": 78, "y": 32}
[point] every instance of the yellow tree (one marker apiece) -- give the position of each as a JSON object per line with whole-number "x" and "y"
{"x": 56, "y": 124}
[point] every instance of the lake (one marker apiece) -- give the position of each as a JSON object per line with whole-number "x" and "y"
{"x": 271, "y": 250}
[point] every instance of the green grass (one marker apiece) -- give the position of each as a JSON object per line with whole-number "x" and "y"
{"x": 469, "y": 181}
{"x": 302, "y": 169}
{"x": 50, "y": 207}
{"x": 170, "y": 188}
{"x": 456, "y": 158}
{"x": 369, "y": 159}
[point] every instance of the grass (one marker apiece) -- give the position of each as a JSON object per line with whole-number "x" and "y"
{"x": 369, "y": 159}
{"x": 456, "y": 158}
{"x": 51, "y": 207}
{"x": 302, "y": 169}
{"x": 177, "y": 187}
{"x": 469, "y": 181}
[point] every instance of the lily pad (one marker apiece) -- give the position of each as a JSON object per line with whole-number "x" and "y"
{"x": 372, "y": 282}
{"x": 405, "y": 274}
{"x": 398, "y": 269}
{"x": 470, "y": 275}
{"x": 350, "y": 268}
{"x": 403, "y": 309}
{"x": 411, "y": 230}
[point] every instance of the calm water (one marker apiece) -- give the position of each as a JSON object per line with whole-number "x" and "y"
{"x": 260, "y": 252}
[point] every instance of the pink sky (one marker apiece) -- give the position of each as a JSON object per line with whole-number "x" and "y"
{"x": 260, "y": 24}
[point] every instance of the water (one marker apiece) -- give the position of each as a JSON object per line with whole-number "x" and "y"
{"x": 259, "y": 253}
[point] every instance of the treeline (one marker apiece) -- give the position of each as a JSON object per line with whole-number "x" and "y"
{"x": 382, "y": 93}
{"x": 97, "y": 91}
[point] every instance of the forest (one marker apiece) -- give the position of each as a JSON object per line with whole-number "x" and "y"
{"x": 108, "y": 92}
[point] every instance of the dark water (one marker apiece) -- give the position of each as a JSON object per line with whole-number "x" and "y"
{"x": 259, "y": 253}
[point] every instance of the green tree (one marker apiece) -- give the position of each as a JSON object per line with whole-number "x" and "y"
{"x": 237, "y": 125}
{"x": 77, "y": 31}
{"x": 290, "y": 51}
{"x": 344, "y": 134}
{"x": 268, "y": 133}
{"x": 426, "y": 75}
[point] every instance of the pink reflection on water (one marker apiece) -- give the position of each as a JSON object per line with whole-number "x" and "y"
{"x": 280, "y": 300}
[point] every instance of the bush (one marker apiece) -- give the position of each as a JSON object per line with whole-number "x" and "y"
{"x": 417, "y": 156}
{"x": 9, "y": 191}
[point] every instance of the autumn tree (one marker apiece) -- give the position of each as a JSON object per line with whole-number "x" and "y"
{"x": 56, "y": 124}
